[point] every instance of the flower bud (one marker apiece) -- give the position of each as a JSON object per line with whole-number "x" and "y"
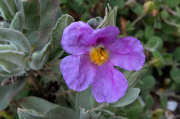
{"x": 148, "y": 7}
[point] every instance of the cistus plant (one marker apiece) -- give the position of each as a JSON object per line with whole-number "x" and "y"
{"x": 53, "y": 67}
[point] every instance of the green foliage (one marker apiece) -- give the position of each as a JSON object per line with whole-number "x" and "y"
{"x": 130, "y": 96}
{"x": 7, "y": 92}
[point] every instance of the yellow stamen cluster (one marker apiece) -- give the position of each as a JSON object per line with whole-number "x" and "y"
{"x": 99, "y": 55}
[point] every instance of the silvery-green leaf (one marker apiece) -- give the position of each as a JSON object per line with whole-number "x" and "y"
{"x": 49, "y": 9}
{"x": 14, "y": 57}
{"x": 57, "y": 31}
{"x": 175, "y": 75}
{"x": 7, "y": 92}
{"x": 135, "y": 112}
{"x": 19, "y": 5}
{"x": 4, "y": 24}
{"x": 105, "y": 112}
{"x": 37, "y": 108}
{"x": 110, "y": 17}
{"x": 7, "y": 47}
{"x": 133, "y": 77}
{"x": 33, "y": 37}
{"x": 58, "y": 53}
{"x": 32, "y": 12}
{"x": 15, "y": 37}
{"x": 83, "y": 99}
{"x": 7, "y": 9}
{"x": 88, "y": 114}
{"x": 7, "y": 66}
{"x": 18, "y": 21}
{"x": 146, "y": 83}
{"x": 40, "y": 58}
{"x": 93, "y": 23}
{"x": 14, "y": 72}
{"x": 130, "y": 96}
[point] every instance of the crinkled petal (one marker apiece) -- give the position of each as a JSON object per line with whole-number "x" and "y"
{"x": 106, "y": 36}
{"x": 109, "y": 84}
{"x": 75, "y": 37}
{"x": 127, "y": 53}
{"x": 78, "y": 71}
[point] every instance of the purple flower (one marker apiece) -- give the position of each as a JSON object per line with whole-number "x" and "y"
{"x": 94, "y": 55}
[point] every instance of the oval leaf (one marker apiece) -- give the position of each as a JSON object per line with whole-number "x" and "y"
{"x": 130, "y": 96}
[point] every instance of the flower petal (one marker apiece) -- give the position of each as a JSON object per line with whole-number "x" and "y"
{"x": 78, "y": 71}
{"x": 106, "y": 36}
{"x": 127, "y": 53}
{"x": 109, "y": 84}
{"x": 77, "y": 38}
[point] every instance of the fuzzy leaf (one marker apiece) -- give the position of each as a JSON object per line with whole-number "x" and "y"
{"x": 40, "y": 58}
{"x": 110, "y": 17}
{"x": 49, "y": 9}
{"x": 58, "y": 53}
{"x": 133, "y": 77}
{"x": 33, "y": 37}
{"x": 175, "y": 74}
{"x": 18, "y": 21}
{"x": 32, "y": 15}
{"x": 8, "y": 9}
{"x": 14, "y": 57}
{"x": 37, "y": 108}
{"x": 7, "y": 92}
{"x": 130, "y": 96}
{"x": 57, "y": 31}
{"x": 83, "y": 100}
{"x": 15, "y": 37}
{"x": 89, "y": 114}
{"x": 14, "y": 72}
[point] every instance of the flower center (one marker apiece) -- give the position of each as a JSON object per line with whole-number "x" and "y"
{"x": 99, "y": 55}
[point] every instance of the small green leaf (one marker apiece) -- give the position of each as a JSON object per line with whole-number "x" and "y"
{"x": 93, "y": 23}
{"x": 18, "y": 21}
{"x": 163, "y": 101}
{"x": 172, "y": 3}
{"x": 134, "y": 112}
{"x": 177, "y": 54}
{"x": 149, "y": 31}
{"x": 83, "y": 100}
{"x": 164, "y": 14}
{"x": 8, "y": 9}
{"x": 7, "y": 92}
{"x": 148, "y": 82}
{"x": 15, "y": 37}
{"x": 138, "y": 9}
{"x": 175, "y": 74}
{"x": 119, "y": 3}
{"x": 130, "y": 96}
{"x": 149, "y": 103}
{"x": 154, "y": 43}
